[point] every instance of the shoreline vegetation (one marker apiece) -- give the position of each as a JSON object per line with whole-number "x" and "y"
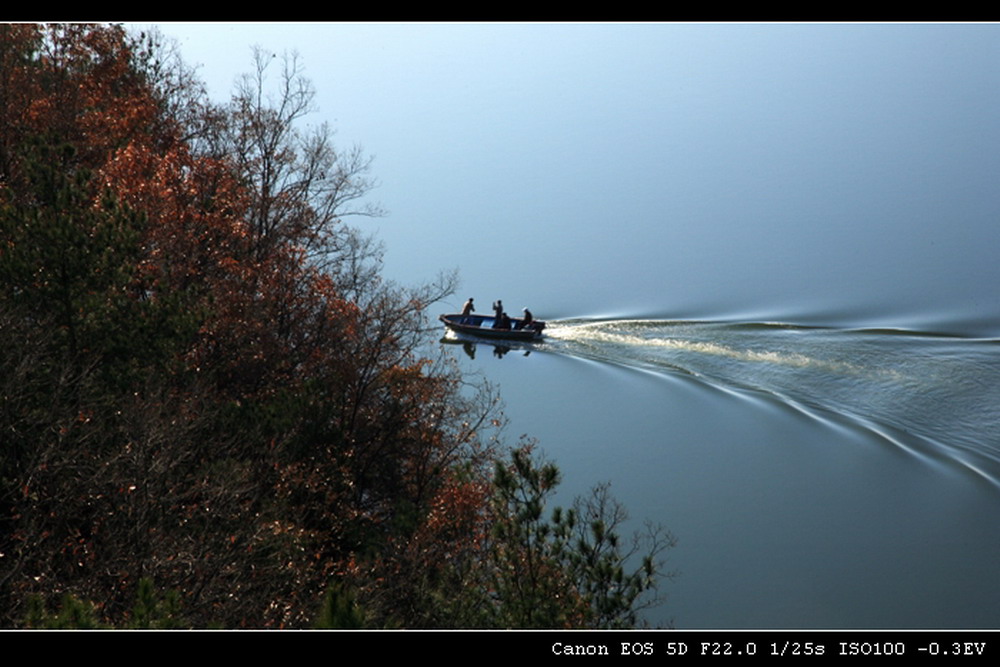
{"x": 215, "y": 411}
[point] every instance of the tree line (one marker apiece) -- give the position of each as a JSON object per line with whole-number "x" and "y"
{"x": 215, "y": 412}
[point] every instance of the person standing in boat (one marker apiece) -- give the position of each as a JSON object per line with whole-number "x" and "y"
{"x": 468, "y": 307}
{"x": 497, "y": 313}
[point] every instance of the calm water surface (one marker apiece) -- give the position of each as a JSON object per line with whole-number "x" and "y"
{"x": 769, "y": 256}
{"x": 815, "y": 477}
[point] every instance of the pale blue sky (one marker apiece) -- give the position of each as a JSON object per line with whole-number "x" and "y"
{"x": 836, "y": 174}
{"x": 772, "y": 167}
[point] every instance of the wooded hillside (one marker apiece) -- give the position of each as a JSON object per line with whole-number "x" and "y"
{"x": 211, "y": 401}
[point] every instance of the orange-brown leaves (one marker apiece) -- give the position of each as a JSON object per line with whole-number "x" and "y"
{"x": 85, "y": 89}
{"x": 288, "y": 423}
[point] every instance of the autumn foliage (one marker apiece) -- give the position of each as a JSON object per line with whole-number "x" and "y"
{"x": 206, "y": 388}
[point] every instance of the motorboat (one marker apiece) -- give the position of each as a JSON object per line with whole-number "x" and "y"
{"x": 486, "y": 327}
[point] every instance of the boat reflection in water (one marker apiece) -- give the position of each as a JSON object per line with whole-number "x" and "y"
{"x": 472, "y": 330}
{"x": 470, "y": 343}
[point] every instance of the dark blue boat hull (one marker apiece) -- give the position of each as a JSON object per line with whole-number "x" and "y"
{"x": 482, "y": 325}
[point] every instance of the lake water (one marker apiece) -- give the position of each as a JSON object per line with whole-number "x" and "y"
{"x": 768, "y": 256}
{"x": 814, "y": 477}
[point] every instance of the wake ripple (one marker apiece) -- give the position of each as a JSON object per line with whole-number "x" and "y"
{"x": 938, "y": 396}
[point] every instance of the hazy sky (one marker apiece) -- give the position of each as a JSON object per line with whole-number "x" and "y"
{"x": 842, "y": 174}
{"x": 651, "y": 167}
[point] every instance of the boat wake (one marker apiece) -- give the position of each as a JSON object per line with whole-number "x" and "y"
{"x": 935, "y": 396}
